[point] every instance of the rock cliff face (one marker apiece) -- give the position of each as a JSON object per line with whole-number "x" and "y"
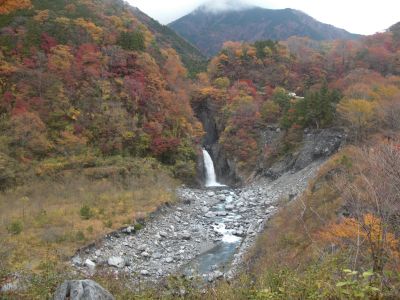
{"x": 316, "y": 144}
{"x": 224, "y": 167}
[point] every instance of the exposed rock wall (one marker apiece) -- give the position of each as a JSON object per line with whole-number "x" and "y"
{"x": 316, "y": 144}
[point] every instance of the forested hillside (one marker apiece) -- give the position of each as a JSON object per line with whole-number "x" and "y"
{"x": 83, "y": 77}
{"x": 191, "y": 57}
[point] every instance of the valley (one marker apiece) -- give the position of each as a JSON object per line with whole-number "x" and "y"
{"x": 239, "y": 152}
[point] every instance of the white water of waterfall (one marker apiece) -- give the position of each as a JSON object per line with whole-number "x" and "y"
{"x": 211, "y": 178}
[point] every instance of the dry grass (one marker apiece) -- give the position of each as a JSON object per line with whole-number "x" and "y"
{"x": 50, "y": 212}
{"x": 290, "y": 241}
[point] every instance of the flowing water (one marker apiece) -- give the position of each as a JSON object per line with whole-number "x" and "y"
{"x": 222, "y": 253}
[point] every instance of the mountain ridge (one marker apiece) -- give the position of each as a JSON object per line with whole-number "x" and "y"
{"x": 208, "y": 30}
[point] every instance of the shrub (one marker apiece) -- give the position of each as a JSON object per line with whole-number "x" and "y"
{"x": 15, "y": 227}
{"x": 86, "y": 212}
{"x": 138, "y": 226}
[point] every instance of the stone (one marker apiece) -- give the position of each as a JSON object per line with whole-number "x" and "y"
{"x": 210, "y": 194}
{"x": 205, "y": 209}
{"x": 222, "y": 213}
{"x": 13, "y": 286}
{"x": 229, "y": 207}
{"x": 186, "y": 235}
{"x": 221, "y": 197}
{"x": 169, "y": 260}
{"x": 90, "y": 264}
{"x": 159, "y": 272}
{"x": 210, "y": 214}
{"x": 214, "y": 276}
{"x": 218, "y": 274}
{"x": 76, "y": 260}
{"x": 145, "y": 273}
{"x": 116, "y": 261}
{"x": 142, "y": 248}
{"x": 145, "y": 254}
{"x": 82, "y": 290}
{"x": 239, "y": 233}
{"x": 157, "y": 255}
{"x": 163, "y": 234}
{"x": 229, "y": 199}
{"x": 128, "y": 230}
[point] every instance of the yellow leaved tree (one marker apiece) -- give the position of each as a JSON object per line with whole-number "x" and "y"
{"x": 360, "y": 114}
{"x": 369, "y": 232}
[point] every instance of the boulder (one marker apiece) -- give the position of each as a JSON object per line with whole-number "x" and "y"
{"x": 186, "y": 235}
{"x": 142, "y": 248}
{"x": 214, "y": 276}
{"x": 145, "y": 254}
{"x": 81, "y": 290}
{"x": 205, "y": 209}
{"x": 229, "y": 199}
{"x": 90, "y": 264}
{"x": 229, "y": 207}
{"x": 76, "y": 260}
{"x": 210, "y": 214}
{"x": 162, "y": 234}
{"x": 129, "y": 230}
{"x": 116, "y": 261}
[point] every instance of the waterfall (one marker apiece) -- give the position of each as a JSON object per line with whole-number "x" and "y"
{"x": 211, "y": 178}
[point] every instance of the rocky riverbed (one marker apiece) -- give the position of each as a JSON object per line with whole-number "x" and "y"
{"x": 206, "y": 233}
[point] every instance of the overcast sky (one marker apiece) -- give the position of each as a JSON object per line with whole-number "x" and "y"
{"x": 357, "y": 16}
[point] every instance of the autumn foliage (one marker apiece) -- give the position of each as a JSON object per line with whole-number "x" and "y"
{"x": 76, "y": 80}
{"x": 8, "y": 6}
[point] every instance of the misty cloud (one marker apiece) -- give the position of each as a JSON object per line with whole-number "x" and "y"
{"x": 225, "y": 5}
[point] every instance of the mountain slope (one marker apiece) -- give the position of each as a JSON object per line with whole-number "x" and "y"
{"x": 191, "y": 57}
{"x": 209, "y": 30}
{"x": 90, "y": 76}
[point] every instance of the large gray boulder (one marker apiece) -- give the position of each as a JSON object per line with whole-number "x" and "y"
{"x": 116, "y": 261}
{"x": 81, "y": 290}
